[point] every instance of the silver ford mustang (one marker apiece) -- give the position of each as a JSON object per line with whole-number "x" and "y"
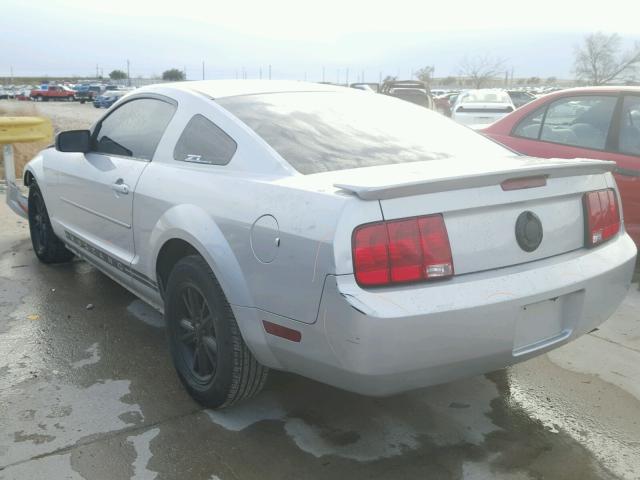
{"x": 355, "y": 239}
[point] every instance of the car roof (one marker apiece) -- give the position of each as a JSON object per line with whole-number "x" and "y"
{"x": 602, "y": 89}
{"x": 232, "y": 88}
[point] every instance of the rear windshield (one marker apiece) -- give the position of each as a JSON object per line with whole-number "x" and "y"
{"x": 485, "y": 97}
{"x": 325, "y": 131}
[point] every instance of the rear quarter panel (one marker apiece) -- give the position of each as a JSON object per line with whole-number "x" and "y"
{"x": 215, "y": 208}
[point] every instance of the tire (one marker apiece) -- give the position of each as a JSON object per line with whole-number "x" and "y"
{"x": 46, "y": 245}
{"x": 210, "y": 356}
{"x": 82, "y": 102}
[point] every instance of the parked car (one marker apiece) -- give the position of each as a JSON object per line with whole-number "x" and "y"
{"x": 477, "y": 108}
{"x": 409, "y": 90}
{"x": 354, "y": 239}
{"x": 108, "y": 98}
{"x": 369, "y": 87}
{"x": 595, "y": 122}
{"x": 520, "y": 98}
{"x": 443, "y": 102}
{"x": 87, "y": 93}
{"x": 47, "y": 92}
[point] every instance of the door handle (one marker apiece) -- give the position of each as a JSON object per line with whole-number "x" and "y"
{"x": 120, "y": 187}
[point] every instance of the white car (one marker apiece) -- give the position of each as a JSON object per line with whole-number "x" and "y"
{"x": 356, "y": 239}
{"x": 479, "y": 108}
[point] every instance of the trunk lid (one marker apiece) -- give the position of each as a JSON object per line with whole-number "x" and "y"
{"x": 480, "y": 216}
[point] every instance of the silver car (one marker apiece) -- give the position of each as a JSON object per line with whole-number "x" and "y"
{"x": 355, "y": 239}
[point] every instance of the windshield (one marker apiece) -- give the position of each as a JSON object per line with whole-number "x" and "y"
{"x": 485, "y": 96}
{"x": 326, "y": 131}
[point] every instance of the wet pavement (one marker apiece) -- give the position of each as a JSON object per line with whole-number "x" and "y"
{"x": 91, "y": 393}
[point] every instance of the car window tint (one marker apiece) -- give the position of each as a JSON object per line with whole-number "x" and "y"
{"x": 530, "y": 126}
{"x": 325, "y": 131}
{"x": 204, "y": 142}
{"x": 629, "y": 140}
{"x": 579, "y": 121}
{"x": 134, "y": 129}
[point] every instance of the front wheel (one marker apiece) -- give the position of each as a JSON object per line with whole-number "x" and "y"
{"x": 209, "y": 354}
{"x": 46, "y": 245}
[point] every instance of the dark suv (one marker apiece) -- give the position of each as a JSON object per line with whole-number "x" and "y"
{"x": 413, "y": 91}
{"x": 87, "y": 93}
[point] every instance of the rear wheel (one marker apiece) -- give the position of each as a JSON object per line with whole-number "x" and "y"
{"x": 46, "y": 245}
{"x": 209, "y": 354}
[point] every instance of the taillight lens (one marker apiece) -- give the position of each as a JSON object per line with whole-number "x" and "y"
{"x": 401, "y": 251}
{"x": 602, "y": 216}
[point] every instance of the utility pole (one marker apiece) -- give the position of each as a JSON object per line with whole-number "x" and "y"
{"x": 380, "y": 78}
{"x": 128, "y": 74}
{"x": 184, "y": 70}
{"x": 11, "y": 75}
{"x": 97, "y": 73}
{"x": 322, "y": 74}
{"x": 269, "y": 71}
{"x": 203, "y": 69}
{"x": 347, "y": 77}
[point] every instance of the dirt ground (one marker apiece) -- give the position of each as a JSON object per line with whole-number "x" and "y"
{"x": 63, "y": 115}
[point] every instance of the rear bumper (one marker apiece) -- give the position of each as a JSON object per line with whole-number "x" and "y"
{"x": 385, "y": 341}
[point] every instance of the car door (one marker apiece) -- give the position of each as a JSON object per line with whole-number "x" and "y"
{"x": 626, "y": 154}
{"x": 569, "y": 127}
{"x": 95, "y": 190}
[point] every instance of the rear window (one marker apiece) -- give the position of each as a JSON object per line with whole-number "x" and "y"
{"x": 325, "y": 131}
{"x": 488, "y": 96}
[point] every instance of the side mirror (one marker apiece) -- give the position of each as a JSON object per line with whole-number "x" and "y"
{"x": 74, "y": 141}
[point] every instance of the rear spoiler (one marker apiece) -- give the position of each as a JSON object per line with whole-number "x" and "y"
{"x": 401, "y": 188}
{"x": 16, "y": 200}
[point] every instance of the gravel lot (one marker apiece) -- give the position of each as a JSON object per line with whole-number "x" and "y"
{"x": 63, "y": 115}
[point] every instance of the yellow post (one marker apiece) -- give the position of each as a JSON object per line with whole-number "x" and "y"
{"x": 20, "y": 130}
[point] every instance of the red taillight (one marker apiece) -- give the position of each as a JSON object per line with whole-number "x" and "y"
{"x": 401, "y": 251}
{"x": 602, "y": 217}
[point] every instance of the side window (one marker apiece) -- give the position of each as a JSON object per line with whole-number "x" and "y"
{"x": 629, "y": 140}
{"x": 579, "y": 121}
{"x": 203, "y": 142}
{"x": 530, "y": 126}
{"x": 134, "y": 129}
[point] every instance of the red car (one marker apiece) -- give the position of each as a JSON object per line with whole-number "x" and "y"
{"x": 594, "y": 122}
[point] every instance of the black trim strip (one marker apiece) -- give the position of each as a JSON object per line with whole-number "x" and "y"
{"x": 627, "y": 172}
{"x": 105, "y": 257}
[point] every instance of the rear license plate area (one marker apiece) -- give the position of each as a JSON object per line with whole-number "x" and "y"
{"x": 541, "y": 324}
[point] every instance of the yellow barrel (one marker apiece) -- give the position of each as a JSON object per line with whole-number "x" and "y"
{"x": 24, "y": 129}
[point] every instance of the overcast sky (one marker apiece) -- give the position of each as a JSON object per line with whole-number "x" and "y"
{"x": 298, "y": 38}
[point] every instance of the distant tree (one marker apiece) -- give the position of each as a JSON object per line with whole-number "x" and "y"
{"x": 117, "y": 75}
{"x": 425, "y": 74}
{"x": 552, "y": 80}
{"x": 600, "y": 59}
{"x": 450, "y": 80}
{"x": 481, "y": 70}
{"x": 173, "y": 75}
{"x": 389, "y": 78}
{"x": 533, "y": 81}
